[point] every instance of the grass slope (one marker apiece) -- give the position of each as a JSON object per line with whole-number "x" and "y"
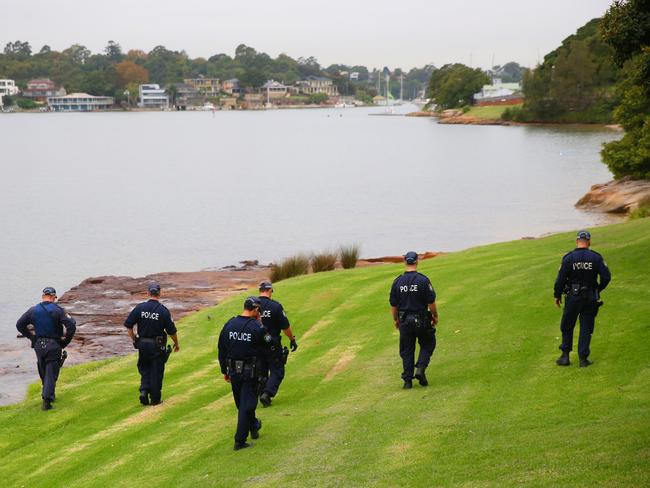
{"x": 498, "y": 411}
{"x": 492, "y": 112}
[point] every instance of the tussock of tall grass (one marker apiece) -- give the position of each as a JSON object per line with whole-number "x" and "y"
{"x": 291, "y": 266}
{"x": 325, "y": 261}
{"x": 349, "y": 255}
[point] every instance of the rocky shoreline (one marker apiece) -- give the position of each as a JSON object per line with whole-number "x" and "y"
{"x": 617, "y": 196}
{"x": 101, "y": 304}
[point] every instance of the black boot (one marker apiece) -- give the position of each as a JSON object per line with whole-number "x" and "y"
{"x": 255, "y": 433}
{"x": 563, "y": 360}
{"x": 144, "y": 398}
{"x": 47, "y": 405}
{"x": 421, "y": 377}
{"x": 265, "y": 400}
{"x": 241, "y": 445}
{"x": 584, "y": 362}
{"x": 407, "y": 385}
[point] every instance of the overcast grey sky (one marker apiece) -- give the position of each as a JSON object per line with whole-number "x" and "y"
{"x": 374, "y": 33}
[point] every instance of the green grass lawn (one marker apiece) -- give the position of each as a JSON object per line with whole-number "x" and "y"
{"x": 489, "y": 112}
{"x": 498, "y": 412}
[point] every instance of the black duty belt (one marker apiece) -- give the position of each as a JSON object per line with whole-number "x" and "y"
{"x": 242, "y": 366}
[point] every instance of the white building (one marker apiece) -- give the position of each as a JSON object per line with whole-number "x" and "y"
{"x": 8, "y": 87}
{"x": 152, "y": 96}
{"x": 497, "y": 91}
{"x": 79, "y": 102}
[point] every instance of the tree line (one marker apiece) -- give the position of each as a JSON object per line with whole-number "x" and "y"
{"x": 113, "y": 71}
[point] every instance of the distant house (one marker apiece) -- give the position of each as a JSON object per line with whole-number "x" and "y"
{"x": 8, "y": 88}
{"x": 318, "y": 84}
{"x": 378, "y": 100}
{"x": 41, "y": 89}
{"x": 499, "y": 94}
{"x": 79, "y": 102}
{"x": 209, "y": 86}
{"x": 152, "y": 96}
{"x": 231, "y": 86}
{"x": 188, "y": 96}
{"x": 274, "y": 90}
{"x": 228, "y": 103}
{"x": 354, "y": 75}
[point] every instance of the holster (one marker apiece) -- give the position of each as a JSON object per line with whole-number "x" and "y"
{"x": 64, "y": 356}
{"x": 246, "y": 368}
{"x": 285, "y": 354}
{"x": 168, "y": 353}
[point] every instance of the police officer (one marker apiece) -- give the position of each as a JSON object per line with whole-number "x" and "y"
{"x": 274, "y": 320}
{"x": 413, "y": 304}
{"x": 578, "y": 280}
{"x": 153, "y": 322}
{"x": 48, "y": 340}
{"x": 243, "y": 349}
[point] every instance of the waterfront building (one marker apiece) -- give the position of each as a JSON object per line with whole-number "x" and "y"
{"x": 209, "y": 86}
{"x": 41, "y": 89}
{"x": 231, "y": 86}
{"x": 274, "y": 89}
{"x": 379, "y": 100}
{"x": 152, "y": 96}
{"x": 188, "y": 96}
{"x": 499, "y": 94}
{"x": 8, "y": 88}
{"x": 318, "y": 84}
{"x": 79, "y": 102}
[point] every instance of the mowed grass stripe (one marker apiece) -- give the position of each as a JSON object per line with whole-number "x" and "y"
{"x": 498, "y": 411}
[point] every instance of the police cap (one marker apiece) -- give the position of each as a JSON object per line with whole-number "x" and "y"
{"x": 266, "y": 285}
{"x": 584, "y": 235}
{"x": 411, "y": 257}
{"x": 48, "y": 290}
{"x": 252, "y": 303}
{"x": 153, "y": 288}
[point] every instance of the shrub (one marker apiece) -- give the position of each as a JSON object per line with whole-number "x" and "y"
{"x": 26, "y": 103}
{"x": 291, "y": 266}
{"x": 349, "y": 256}
{"x": 325, "y": 261}
{"x": 640, "y": 213}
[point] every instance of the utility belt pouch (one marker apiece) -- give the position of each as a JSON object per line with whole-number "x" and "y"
{"x": 161, "y": 341}
{"x": 238, "y": 366}
{"x": 575, "y": 289}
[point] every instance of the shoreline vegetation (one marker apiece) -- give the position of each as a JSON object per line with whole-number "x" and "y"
{"x": 104, "y": 437}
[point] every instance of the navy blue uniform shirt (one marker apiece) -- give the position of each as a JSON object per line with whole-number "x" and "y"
{"x": 48, "y": 320}
{"x": 152, "y": 318}
{"x": 412, "y": 292}
{"x": 273, "y": 316}
{"x": 241, "y": 338}
{"x": 582, "y": 266}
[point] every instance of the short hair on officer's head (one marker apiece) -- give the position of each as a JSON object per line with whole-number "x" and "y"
{"x": 251, "y": 303}
{"x": 584, "y": 235}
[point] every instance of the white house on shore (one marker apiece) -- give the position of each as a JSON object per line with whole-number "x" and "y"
{"x": 8, "y": 88}
{"x": 79, "y": 102}
{"x": 152, "y": 96}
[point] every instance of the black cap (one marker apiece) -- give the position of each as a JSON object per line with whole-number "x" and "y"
{"x": 153, "y": 288}
{"x": 48, "y": 290}
{"x": 266, "y": 285}
{"x": 584, "y": 235}
{"x": 251, "y": 303}
{"x": 411, "y": 257}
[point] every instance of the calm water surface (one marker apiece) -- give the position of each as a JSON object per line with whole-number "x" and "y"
{"x": 134, "y": 193}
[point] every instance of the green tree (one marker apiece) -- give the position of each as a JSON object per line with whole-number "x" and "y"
{"x": 454, "y": 85}
{"x": 626, "y": 28}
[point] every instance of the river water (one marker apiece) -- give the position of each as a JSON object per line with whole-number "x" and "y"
{"x": 135, "y": 193}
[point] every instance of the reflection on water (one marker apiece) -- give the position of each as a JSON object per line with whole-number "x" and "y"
{"x": 135, "y": 193}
